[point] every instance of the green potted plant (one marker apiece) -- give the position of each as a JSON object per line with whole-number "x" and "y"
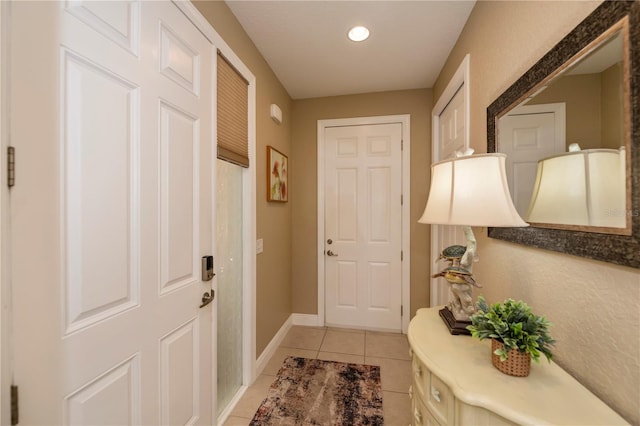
{"x": 518, "y": 335}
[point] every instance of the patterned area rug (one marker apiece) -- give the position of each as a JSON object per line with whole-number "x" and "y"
{"x": 316, "y": 392}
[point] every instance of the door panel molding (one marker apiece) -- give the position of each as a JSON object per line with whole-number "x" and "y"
{"x": 122, "y": 380}
{"x": 87, "y": 216}
{"x": 179, "y": 209}
{"x": 122, "y": 28}
{"x": 179, "y": 375}
{"x": 404, "y": 120}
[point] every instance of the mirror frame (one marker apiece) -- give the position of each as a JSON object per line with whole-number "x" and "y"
{"x": 618, "y": 249}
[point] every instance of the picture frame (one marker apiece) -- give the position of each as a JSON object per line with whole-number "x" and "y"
{"x": 277, "y": 176}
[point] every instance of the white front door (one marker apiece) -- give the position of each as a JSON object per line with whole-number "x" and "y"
{"x": 111, "y": 112}
{"x": 451, "y": 138}
{"x": 527, "y": 135}
{"x": 363, "y": 226}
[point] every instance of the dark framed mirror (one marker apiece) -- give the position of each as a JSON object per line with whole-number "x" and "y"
{"x": 605, "y": 47}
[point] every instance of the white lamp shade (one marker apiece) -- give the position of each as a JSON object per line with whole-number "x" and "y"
{"x": 584, "y": 188}
{"x": 471, "y": 191}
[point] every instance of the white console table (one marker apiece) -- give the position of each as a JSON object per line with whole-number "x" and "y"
{"x": 454, "y": 383}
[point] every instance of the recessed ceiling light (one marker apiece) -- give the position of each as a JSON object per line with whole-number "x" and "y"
{"x": 358, "y": 34}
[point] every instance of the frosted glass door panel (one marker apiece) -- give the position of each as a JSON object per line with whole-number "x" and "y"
{"x": 229, "y": 276}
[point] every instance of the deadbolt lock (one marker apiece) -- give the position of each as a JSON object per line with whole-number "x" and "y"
{"x": 207, "y": 268}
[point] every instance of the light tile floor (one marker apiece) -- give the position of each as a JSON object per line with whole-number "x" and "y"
{"x": 389, "y": 351}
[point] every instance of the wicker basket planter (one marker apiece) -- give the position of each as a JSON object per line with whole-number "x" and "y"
{"x": 517, "y": 363}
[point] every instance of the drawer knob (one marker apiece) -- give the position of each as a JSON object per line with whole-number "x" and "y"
{"x": 418, "y": 416}
{"x": 435, "y": 393}
{"x": 418, "y": 371}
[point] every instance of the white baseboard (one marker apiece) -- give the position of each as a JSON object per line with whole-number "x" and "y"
{"x": 268, "y": 352}
{"x": 309, "y": 320}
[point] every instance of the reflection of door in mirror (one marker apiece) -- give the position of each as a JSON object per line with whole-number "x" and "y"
{"x": 529, "y": 134}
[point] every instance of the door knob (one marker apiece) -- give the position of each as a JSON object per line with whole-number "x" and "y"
{"x": 331, "y": 253}
{"x": 207, "y": 298}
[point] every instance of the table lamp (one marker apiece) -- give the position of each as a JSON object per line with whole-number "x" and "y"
{"x": 470, "y": 191}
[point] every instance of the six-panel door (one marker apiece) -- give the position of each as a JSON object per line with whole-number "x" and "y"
{"x": 111, "y": 114}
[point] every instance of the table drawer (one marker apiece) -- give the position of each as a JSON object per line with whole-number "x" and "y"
{"x": 439, "y": 399}
{"x": 420, "y": 415}
{"x": 433, "y": 393}
{"x": 420, "y": 378}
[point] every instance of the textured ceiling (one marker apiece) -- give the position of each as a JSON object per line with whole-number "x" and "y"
{"x": 305, "y": 42}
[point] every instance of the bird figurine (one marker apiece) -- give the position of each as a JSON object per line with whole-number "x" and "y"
{"x": 457, "y": 275}
{"x": 460, "y": 279}
{"x": 453, "y": 254}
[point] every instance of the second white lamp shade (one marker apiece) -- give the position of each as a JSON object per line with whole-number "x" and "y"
{"x": 585, "y": 188}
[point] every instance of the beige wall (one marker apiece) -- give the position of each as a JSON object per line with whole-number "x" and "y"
{"x": 306, "y": 113}
{"x": 586, "y": 300}
{"x": 273, "y": 298}
{"x": 612, "y": 108}
{"x": 594, "y": 306}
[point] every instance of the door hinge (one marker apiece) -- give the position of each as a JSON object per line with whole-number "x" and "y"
{"x": 401, "y": 144}
{"x": 401, "y": 255}
{"x": 14, "y": 405}
{"x": 402, "y": 199}
{"x": 401, "y": 310}
{"x": 11, "y": 166}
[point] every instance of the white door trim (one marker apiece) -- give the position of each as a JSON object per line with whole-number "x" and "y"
{"x": 460, "y": 78}
{"x": 405, "y": 121}
{"x": 5, "y": 301}
{"x": 249, "y": 202}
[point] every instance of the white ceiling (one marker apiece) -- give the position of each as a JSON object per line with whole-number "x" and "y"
{"x": 306, "y": 45}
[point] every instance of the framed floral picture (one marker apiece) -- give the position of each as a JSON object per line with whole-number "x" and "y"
{"x": 277, "y": 172}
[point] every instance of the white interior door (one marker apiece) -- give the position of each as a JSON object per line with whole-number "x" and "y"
{"x": 363, "y": 226}
{"x": 451, "y": 137}
{"x": 111, "y": 113}
{"x": 527, "y": 135}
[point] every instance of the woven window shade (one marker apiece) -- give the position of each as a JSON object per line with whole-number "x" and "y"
{"x": 233, "y": 99}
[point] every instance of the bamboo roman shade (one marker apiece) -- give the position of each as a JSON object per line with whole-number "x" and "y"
{"x": 233, "y": 134}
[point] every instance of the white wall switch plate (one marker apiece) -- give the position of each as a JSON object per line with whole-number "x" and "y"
{"x": 259, "y": 246}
